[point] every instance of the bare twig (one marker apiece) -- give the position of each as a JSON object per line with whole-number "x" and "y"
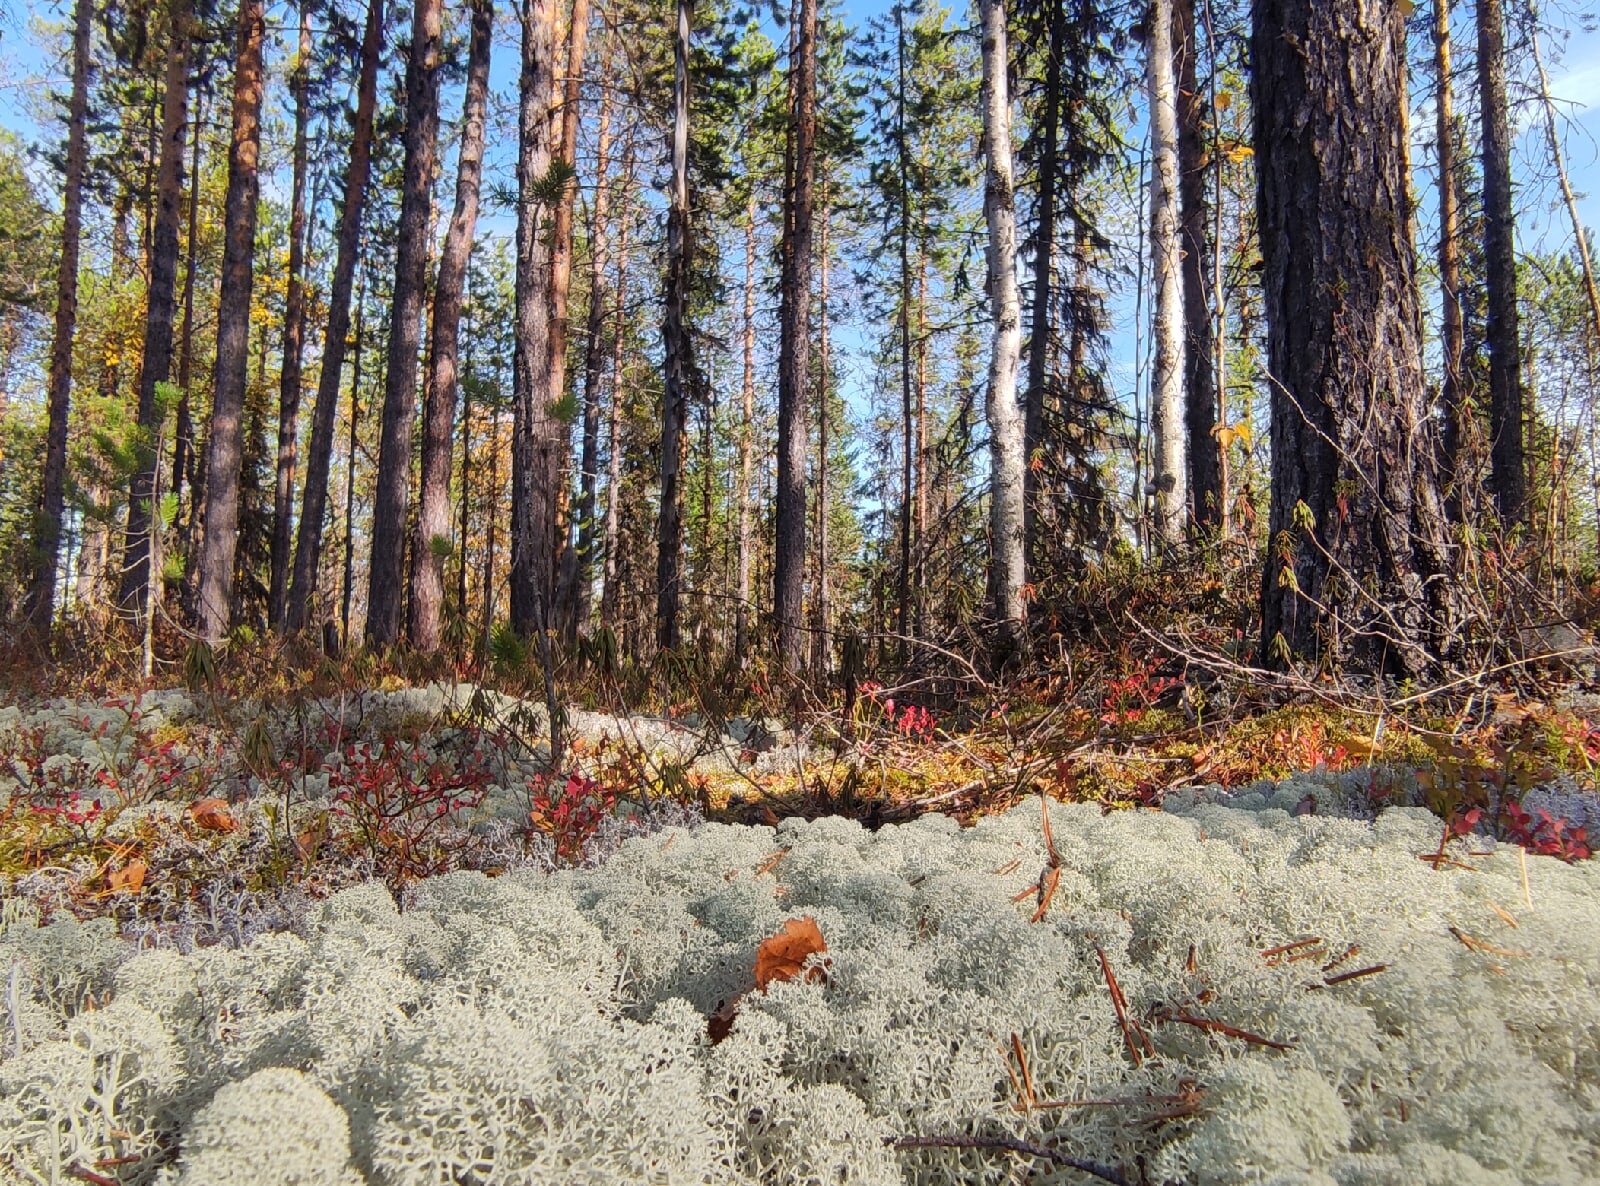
{"x": 1094, "y": 1169}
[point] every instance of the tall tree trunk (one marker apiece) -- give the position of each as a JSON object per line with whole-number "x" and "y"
{"x": 820, "y": 635}
{"x": 52, "y": 487}
{"x": 1207, "y": 497}
{"x": 1507, "y": 463}
{"x": 1355, "y": 494}
{"x": 185, "y": 465}
{"x": 611, "y": 586}
{"x": 347, "y": 587}
{"x": 536, "y": 430}
{"x": 577, "y": 576}
{"x": 438, "y": 418}
{"x": 314, "y": 504}
{"x": 1008, "y": 554}
{"x": 794, "y": 346}
{"x": 1168, "y": 474}
{"x": 1044, "y": 252}
{"x": 907, "y": 426}
{"x": 747, "y": 401}
{"x": 233, "y": 329}
{"x": 565, "y": 602}
{"x": 387, "y": 565}
{"x": 675, "y": 338}
{"x": 294, "y": 319}
{"x": 1453, "y": 396}
{"x": 160, "y": 300}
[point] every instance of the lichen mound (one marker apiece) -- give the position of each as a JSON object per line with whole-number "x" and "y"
{"x": 541, "y": 1028}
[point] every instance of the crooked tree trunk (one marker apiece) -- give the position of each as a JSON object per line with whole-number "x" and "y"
{"x": 794, "y": 345}
{"x": 314, "y": 505}
{"x": 1207, "y": 497}
{"x": 1168, "y": 474}
{"x": 675, "y": 339}
{"x": 438, "y": 417}
{"x": 1507, "y": 461}
{"x": 536, "y": 429}
{"x": 294, "y": 319}
{"x": 387, "y": 565}
{"x": 1358, "y": 569}
{"x": 233, "y": 330}
{"x": 52, "y": 486}
{"x": 1553, "y": 142}
{"x": 1453, "y": 396}
{"x": 160, "y": 311}
{"x": 1007, "y": 461}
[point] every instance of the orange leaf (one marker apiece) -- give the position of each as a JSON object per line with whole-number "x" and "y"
{"x": 127, "y": 880}
{"x": 212, "y": 815}
{"x": 783, "y": 956}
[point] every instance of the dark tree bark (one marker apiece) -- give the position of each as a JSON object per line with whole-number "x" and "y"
{"x": 1206, "y": 495}
{"x": 794, "y": 345}
{"x": 314, "y": 505}
{"x": 908, "y": 427}
{"x": 52, "y": 487}
{"x": 433, "y": 507}
{"x": 185, "y": 464}
{"x": 387, "y": 567}
{"x": 536, "y": 433}
{"x": 1452, "y": 394}
{"x": 161, "y": 294}
{"x": 1507, "y": 464}
{"x": 611, "y": 585}
{"x": 747, "y": 398}
{"x": 1358, "y": 569}
{"x": 820, "y": 635}
{"x": 560, "y": 289}
{"x": 294, "y": 320}
{"x": 347, "y": 587}
{"x": 577, "y": 582}
{"x": 675, "y": 339}
{"x": 1044, "y": 251}
{"x": 233, "y": 329}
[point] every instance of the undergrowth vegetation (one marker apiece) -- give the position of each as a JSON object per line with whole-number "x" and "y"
{"x": 1287, "y": 928}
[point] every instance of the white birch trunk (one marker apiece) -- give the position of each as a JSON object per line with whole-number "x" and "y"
{"x": 1168, "y": 468}
{"x": 1007, "y": 569}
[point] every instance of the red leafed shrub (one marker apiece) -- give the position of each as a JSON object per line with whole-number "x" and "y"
{"x": 1539, "y": 832}
{"x": 396, "y": 802}
{"x": 1129, "y": 697}
{"x": 569, "y": 812}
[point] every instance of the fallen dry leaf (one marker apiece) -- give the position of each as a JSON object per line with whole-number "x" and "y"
{"x": 720, "y": 1024}
{"x": 212, "y": 815}
{"x": 783, "y": 956}
{"x": 127, "y": 880}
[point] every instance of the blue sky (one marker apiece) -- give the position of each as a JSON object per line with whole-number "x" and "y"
{"x": 27, "y": 74}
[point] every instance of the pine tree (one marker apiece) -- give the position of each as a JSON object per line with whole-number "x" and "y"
{"x": 233, "y": 329}
{"x": 433, "y": 510}
{"x": 47, "y": 534}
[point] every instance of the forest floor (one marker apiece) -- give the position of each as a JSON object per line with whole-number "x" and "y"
{"x": 1067, "y": 922}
